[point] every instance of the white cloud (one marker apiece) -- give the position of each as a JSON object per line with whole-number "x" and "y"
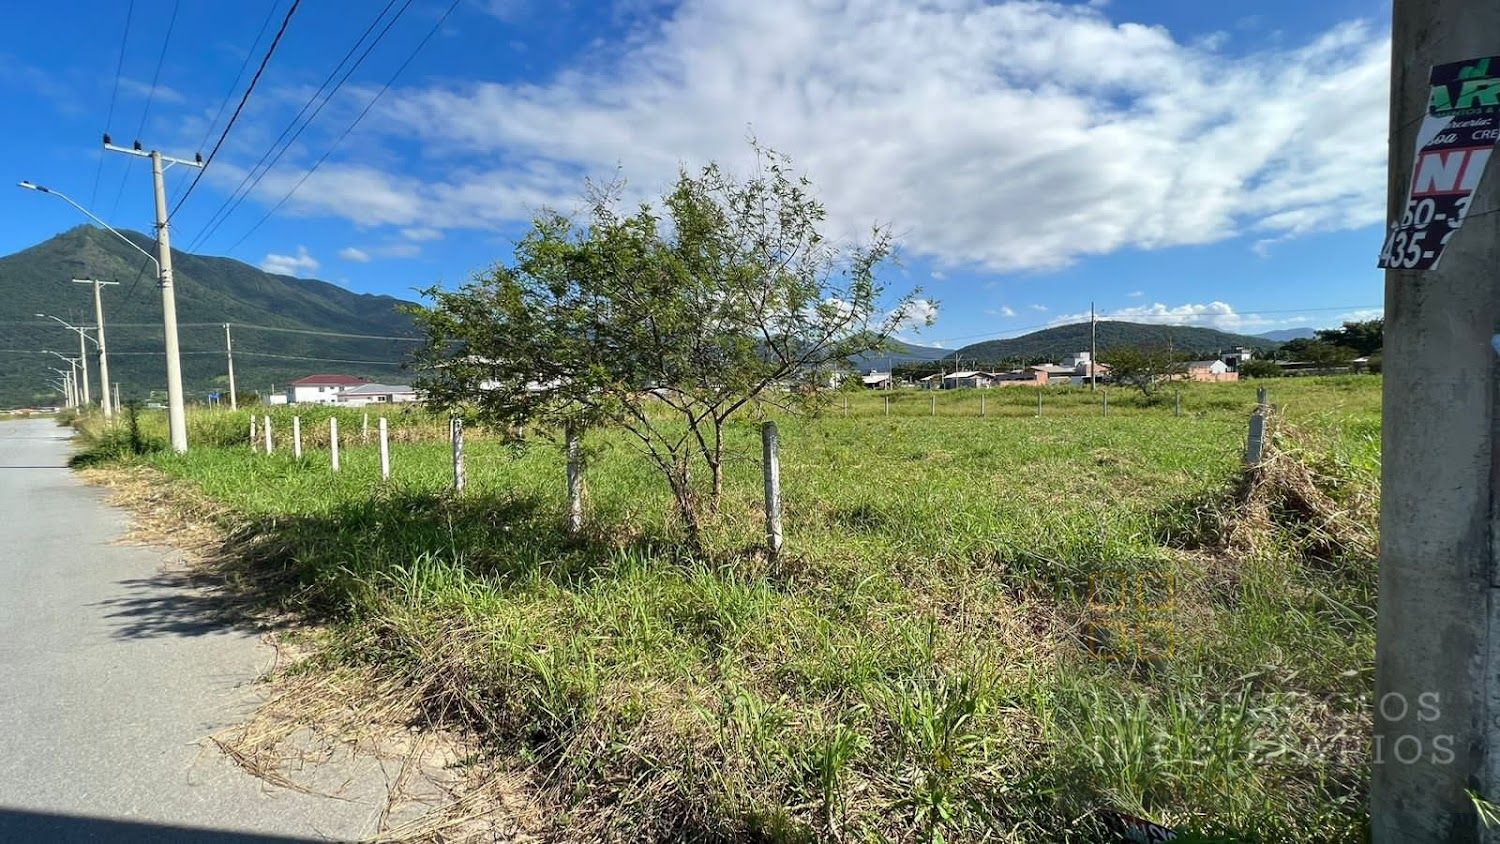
{"x": 1214, "y": 314}
{"x": 421, "y": 234}
{"x": 1009, "y": 135}
{"x": 301, "y": 265}
{"x": 1136, "y": 294}
{"x": 161, "y": 93}
{"x": 1007, "y": 311}
{"x": 921, "y": 313}
{"x": 399, "y": 250}
{"x": 1039, "y": 308}
{"x": 355, "y": 254}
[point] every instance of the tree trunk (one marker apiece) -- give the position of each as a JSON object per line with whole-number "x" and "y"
{"x": 716, "y": 465}
{"x": 681, "y": 481}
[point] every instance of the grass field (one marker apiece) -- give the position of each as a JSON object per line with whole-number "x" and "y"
{"x": 981, "y": 628}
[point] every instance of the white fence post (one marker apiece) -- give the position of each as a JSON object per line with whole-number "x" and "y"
{"x": 456, "y": 433}
{"x": 887, "y": 405}
{"x": 266, "y": 429}
{"x": 1255, "y": 445}
{"x": 333, "y": 442}
{"x": 364, "y": 429}
{"x": 575, "y": 481}
{"x": 981, "y": 405}
{"x": 1177, "y": 402}
{"x": 385, "y": 453}
{"x": 771, "y": 466}
{"x": 254, "y": 443}
{"x": 297, "y": 437}
{"x": 1039, "y": 401}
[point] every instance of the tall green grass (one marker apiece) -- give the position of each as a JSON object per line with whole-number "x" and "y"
{"x": 930, "y": 659}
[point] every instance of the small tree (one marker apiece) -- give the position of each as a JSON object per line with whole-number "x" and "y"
{"x": 1144, "y": 367}
{"x": 666, "y": 326}
{"x": 1256, "y": 368}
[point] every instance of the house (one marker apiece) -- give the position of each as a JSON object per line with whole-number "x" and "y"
{"x": 321, "y": 389}
{"x": 1210, "y": 370}
{"x": 1236, "y": 356}
{"x": 874, "y": 380}
{"x": 1054, "y": 375}
{"x": 366, "y": 394}
{"x": 969, "y": 379}
{"x": 1029, "y": 377}
{"x": 1084, "y": 366}
{"x": 931, "y": 382}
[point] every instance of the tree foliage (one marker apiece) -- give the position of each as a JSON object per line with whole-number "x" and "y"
{"x": 1144, "y": 367}
{"x": 666, "y": 321}
{"x": 1364, "y": 338}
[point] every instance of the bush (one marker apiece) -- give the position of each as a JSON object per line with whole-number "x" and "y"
{"x": 1260, "y": 369}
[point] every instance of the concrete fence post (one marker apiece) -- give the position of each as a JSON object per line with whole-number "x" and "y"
{"x": 846, "y": 406}
{"x": 1262, "y": 397}
{"x": 1176, "y": 402}
{"x": 265, "y": 428}
{"x": 1104, "y": 402}
{"x": 297, "y": 437}
{"x": 887, "y": 405}
{"x": 933, "y": 400}
{"x": 1255, "y": 445}
{"x": 1039, "y": 401}
{"x": 333, "y": 442}
{"x": 456, "y": 432}
{"x": 385, "y": 452}
{"x": 575, "y": 481}
{"x": 770, "y": 442}
{"x": 981, "y": 405}
{"x": 364, "y": 429}
{"x": 254, "y": 443}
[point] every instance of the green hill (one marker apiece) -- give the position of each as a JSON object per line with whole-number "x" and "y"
{"x": 1054, "y": 343}
{"x": 210, "y": 291}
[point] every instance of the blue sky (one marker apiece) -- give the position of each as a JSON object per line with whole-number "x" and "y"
{"x": 1171, "y": 160}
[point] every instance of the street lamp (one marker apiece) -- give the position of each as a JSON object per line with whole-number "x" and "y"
{"x": 176, "y": 409}
{"x": 83, "y": 352}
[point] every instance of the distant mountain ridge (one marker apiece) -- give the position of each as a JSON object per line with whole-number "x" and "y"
{"x": 1286, "y": 334}
{"x": 210, "y": 291}
{"x": 1059, "y": 341}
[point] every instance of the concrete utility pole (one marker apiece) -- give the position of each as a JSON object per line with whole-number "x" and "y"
{"x": 83, "y": 352}
{"x": 176, "y": 410}
{"x": 104, "y": 402}
{"x": 1437, "y": 661}
{"x": 234, "y": 403}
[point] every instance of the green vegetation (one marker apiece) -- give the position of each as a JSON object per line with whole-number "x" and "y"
{"x": 210, "y": 292}
{"x": 1053, "y": 343}
{"x": 981, "y": 628}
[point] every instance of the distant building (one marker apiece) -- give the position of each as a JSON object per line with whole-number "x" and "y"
{"x": 321, "y": 389}
{"x": 875, "y": 380}
{"x": 966, "y": 379}
{"x": 1210, "y": 370}
{"x": 366, "y": 394}
{"x": 1236, "y": 356}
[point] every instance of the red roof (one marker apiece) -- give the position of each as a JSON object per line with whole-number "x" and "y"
{"x": 329, "y": 381}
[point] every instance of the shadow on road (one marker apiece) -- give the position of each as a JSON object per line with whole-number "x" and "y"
{"x": 22, "y": 825}
{"x": 178, "y": 603}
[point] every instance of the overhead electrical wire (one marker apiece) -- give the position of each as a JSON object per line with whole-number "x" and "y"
{"x": 240, "y": 74}
{"x": 113, "y": 94}
{"x": 368, "y": 106}
{"x": 249, "y": 89}
{"x": 292, "y": 131}
{"x": 166, "y": 41}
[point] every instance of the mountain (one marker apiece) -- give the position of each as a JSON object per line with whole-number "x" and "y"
{"x": 1286, "y": 334}
{"x": 210, "y": 292}
{"x": 897, "y": 352}
{"x": 1054, "y": 343}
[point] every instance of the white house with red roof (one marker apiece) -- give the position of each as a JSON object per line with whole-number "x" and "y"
{"x": 321, "y": 389}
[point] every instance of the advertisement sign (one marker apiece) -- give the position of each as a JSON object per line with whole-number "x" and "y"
{"x": 1458, "y": 135}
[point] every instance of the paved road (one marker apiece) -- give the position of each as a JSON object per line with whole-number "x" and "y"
{"x": 111, "y": 675}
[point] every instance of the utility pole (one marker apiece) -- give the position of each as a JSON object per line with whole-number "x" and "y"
{"x": 234, "y": 403}
{"x": 1093, "y": 347}
{"x": 176, "y": 410}
{"x": 104, "y": 402}
{"x": 1437, "y": 653}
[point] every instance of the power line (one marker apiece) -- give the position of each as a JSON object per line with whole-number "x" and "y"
{"x": 251, "y": 177}
{"x": 373, "y": 100}
{"x": 265, "y": 60}
{"x": 113, "y": 93}
{"x": 150, "y": 97}
{"x": 240, "y": 74}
